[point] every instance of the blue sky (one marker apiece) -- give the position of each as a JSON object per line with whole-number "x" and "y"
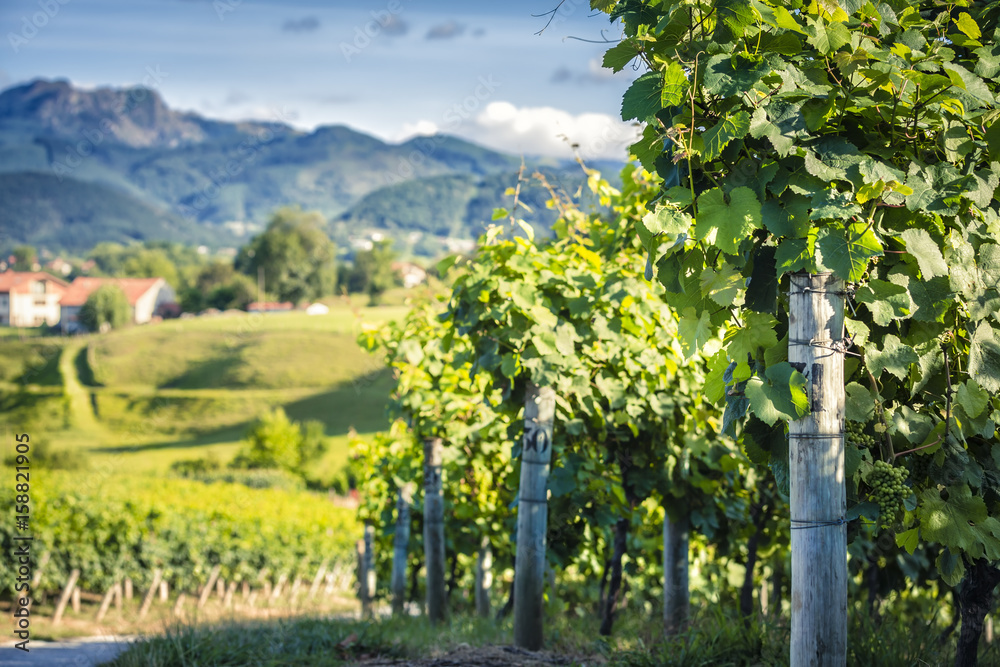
{"x": 391, "y": 68}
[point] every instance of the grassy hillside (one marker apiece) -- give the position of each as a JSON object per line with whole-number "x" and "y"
{"x": 141, "y": 398}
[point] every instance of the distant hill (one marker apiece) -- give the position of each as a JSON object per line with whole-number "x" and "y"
{"x": 159, "y": 173}
{"x": 74, "y": 214}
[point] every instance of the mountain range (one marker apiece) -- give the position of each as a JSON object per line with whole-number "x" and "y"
{"x": 82, "y": 166}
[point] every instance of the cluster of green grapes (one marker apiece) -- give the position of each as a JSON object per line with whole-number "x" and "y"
{"x": 856, "y": 435}
{"x": 888, "y": 490}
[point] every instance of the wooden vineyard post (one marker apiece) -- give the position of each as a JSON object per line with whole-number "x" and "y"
{"x": 818, "y": 499}
{"x": 369, "y": 563}
{"x": 362, "y": 570}
{"x": 105, "y": 603}
{"x": 148, "y": 600}
{"x": 676, "y": 592}
{"x": 207, "y": 590}
{"x": 532, "y": 516}
{"x": 434, "y": 530}
{"x": 313, "y": 588}
{"x": 64, "y": 598}
{"x": 400, "y": 549}
{"x": 484, "y": 578}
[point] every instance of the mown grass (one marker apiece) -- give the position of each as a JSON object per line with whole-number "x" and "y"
{"x": 151, "y": 395}
{"x": 715, "y": 638}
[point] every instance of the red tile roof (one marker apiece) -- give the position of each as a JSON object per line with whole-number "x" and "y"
{"x": 19, "y": 282}
{"x": 81, "y": 288}
{"x": 270, "y": 305}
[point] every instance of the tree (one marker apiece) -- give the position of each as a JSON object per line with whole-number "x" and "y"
{"x": 149, "y": 263}
{"x": 298, "y": 259}
{"x": 372, "y": 272}
{"x": 218, "y": 285}
{"x": 275, "y": 441}
{"x": 106, "y": 308}
{"x": 25, "y": 258}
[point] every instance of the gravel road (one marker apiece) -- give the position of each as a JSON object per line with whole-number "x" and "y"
{"x": 82, "y": 652}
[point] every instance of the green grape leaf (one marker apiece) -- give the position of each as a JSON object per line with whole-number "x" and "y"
{"x": 895, "y": 357}
{"x": 908, "y": 539}
{"x": 694, "y": 331}
{"x": 968, "y": 25}
{"x": 620, "y": 55}
{"x": 886, "y": 301}
{"x": 675, "y": 85}
{"x": 727, "y": 129}
{"x": 927, "y": 252}
{"x": 951, "y": 566}
{"x": 781, "y": 394}
{"x": 795, "y": 255}
{"x": 960, "y": 523}
{"x": 642, "y": 99}
{"x": 724, "y": 286}
{"x": 757, "y": 332}
{"x": 847, "y": 252}
{"x": 647, "y": 148}
{"x": 667, "y": 220}
{"x": 972, "y": 397}
{"x": 984, "y": 358}
{"x": 726, "y": 224}
{"x": 859, "y": 404}
{"x": 827, "y": 37}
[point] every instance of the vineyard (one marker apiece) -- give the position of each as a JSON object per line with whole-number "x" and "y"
{"x": 764, "y": 373}
{"x": 188, "y": 538}
{"x": 741, "y": 411}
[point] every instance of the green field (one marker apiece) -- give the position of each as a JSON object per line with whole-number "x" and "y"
{"x": 147, "y": 396}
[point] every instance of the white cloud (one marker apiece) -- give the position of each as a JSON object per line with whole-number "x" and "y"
{"x": 410, "y": 130}
{"x": 549, "y": 131}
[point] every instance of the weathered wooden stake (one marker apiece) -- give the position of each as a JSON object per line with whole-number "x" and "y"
{"x": 400, "y": 549}
{"x": 227, "y": 600}
{"x": 434, "y": 530}
{"x": 75, "y": 600}
{"x": 105, "y": 603}
{"x": 118, "y": 597}
{"x": 763, "y": 598}
{"x": 220, "y": 588}
{"x": 128, "y": 588}
{"x": 366, "y": 601}
{"x": 532, "y": 516}
{"x": 370, "y": 561}
{"x": 818, "y": 499}
{"x": 484, "y": 578}
{"x": 207, "y": 590}
{"x": 147, "y": 601}
{"x": 676, "y": 591}
{"x": 64, "y": 598}
{"x": 179, "y": 605}
{"x": 164, "y": 591}
{"x": 36, "y": 578}
{"x": 320, "y": 573}
{"x": 278, "y": 586}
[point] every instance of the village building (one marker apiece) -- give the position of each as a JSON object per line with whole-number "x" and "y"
{"x": 30, "y": 298}
{"x": 148, "y": 297}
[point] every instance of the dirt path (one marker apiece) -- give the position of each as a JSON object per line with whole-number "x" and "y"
{"x": 82, "y": 652}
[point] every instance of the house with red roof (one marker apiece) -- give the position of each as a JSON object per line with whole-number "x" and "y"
{"x": 30, "y": 298}
{"x": 146, "y": 296}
